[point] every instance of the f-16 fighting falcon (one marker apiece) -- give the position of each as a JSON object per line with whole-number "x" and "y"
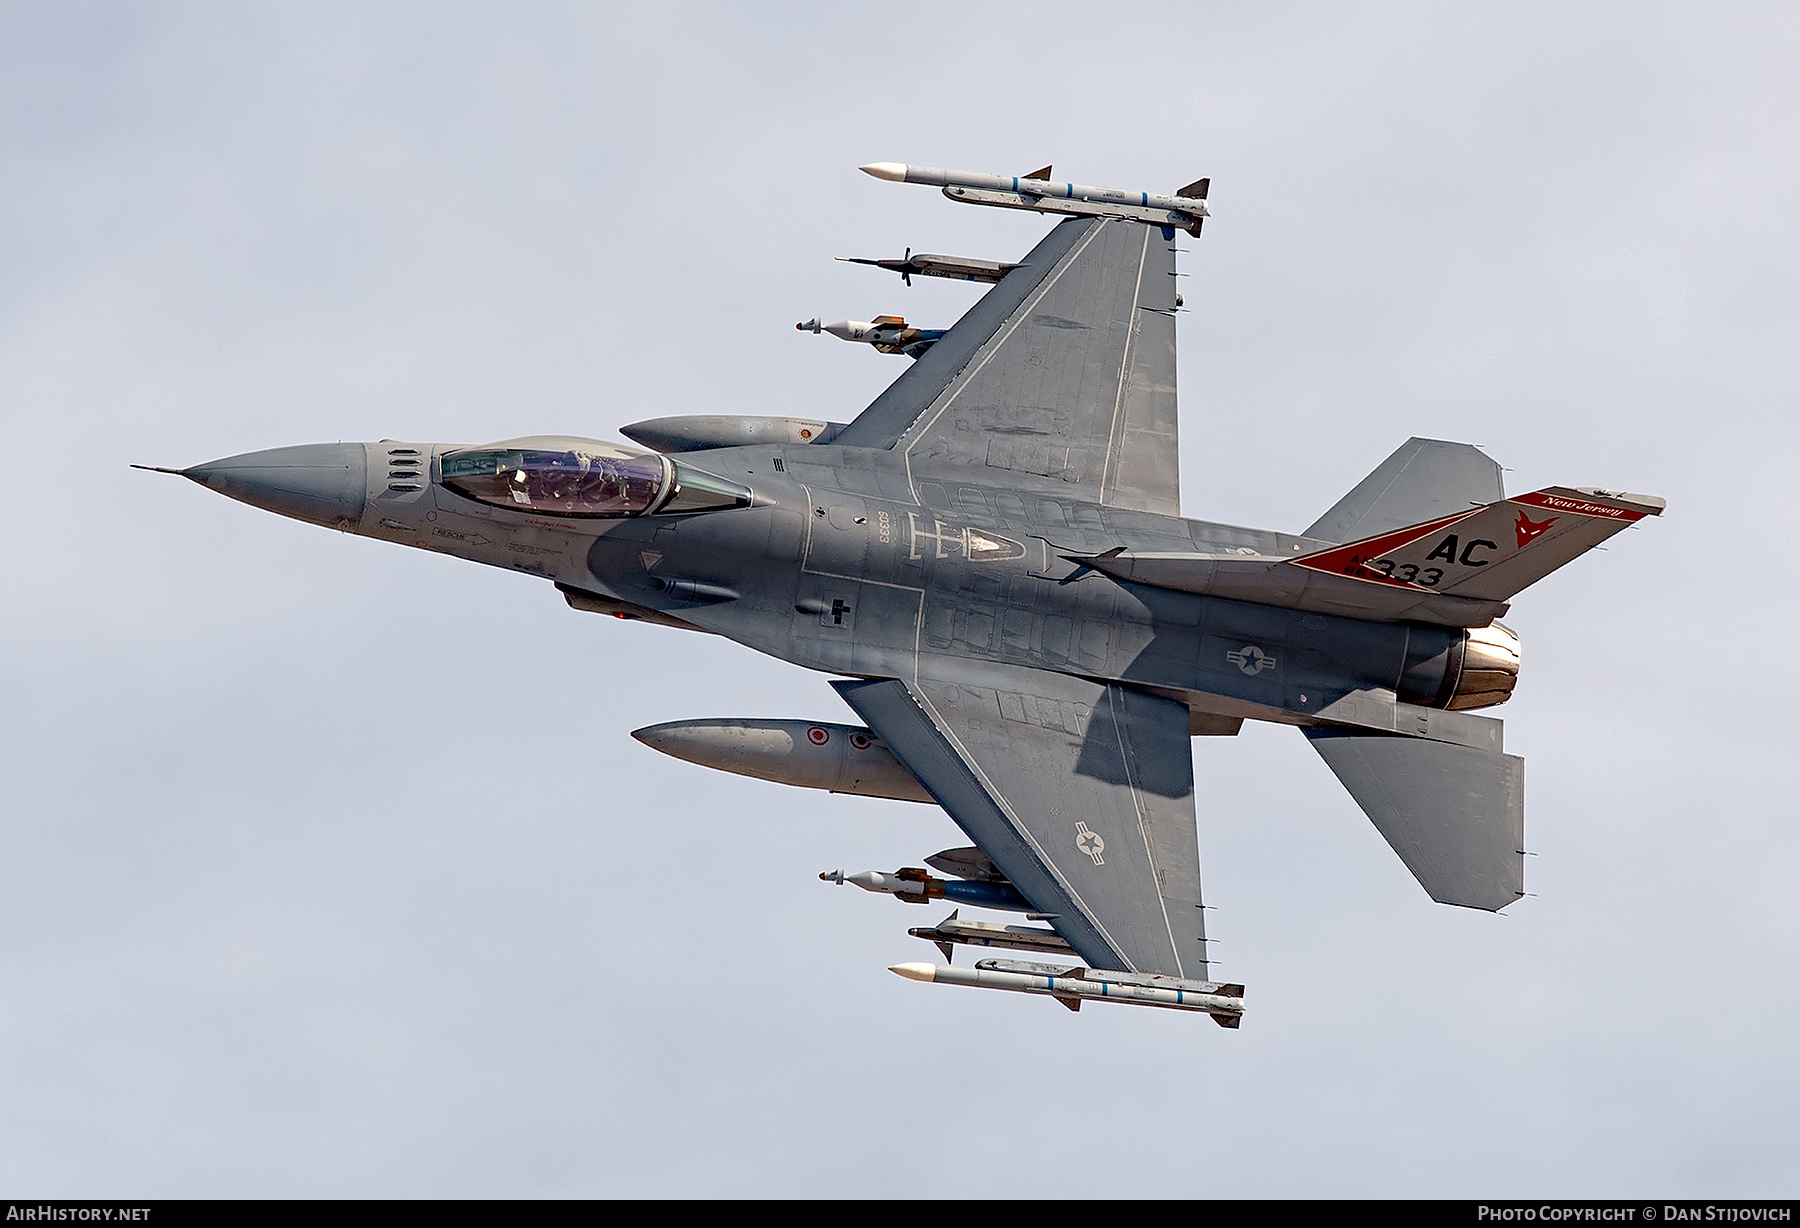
{"x": 991, "y": 560}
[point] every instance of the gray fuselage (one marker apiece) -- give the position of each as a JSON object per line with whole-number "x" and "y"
{"x": 848, "y": 563}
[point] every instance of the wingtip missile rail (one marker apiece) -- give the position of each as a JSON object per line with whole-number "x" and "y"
{"x": 1073, "y": 986}
{"x": 1185, "y": 209}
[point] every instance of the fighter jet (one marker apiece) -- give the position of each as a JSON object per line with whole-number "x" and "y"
{"x": 991, "y": 563}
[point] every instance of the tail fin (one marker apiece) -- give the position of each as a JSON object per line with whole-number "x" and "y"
{"x": 1425, "y": 479}
{"x": 1488, "y": 553}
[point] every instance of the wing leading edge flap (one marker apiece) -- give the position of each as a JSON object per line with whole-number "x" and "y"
{"x": 1454, "y": 814}
{"x": 1081, "y": 794}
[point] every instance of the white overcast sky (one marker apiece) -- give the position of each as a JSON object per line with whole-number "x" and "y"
{"x": 330, "y": 868}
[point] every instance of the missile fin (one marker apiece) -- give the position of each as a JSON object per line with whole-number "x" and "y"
{"x": 1074, "y": 1004}
{"x": 1195, "y": 190}
{"x": 1042, "y": 172}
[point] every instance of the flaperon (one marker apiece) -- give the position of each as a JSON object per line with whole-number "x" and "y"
{"x": 992, "y": 561}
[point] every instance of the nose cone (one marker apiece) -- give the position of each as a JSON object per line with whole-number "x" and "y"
{"x": 322, "y": 483}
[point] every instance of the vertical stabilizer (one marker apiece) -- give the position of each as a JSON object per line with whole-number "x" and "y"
{"x": 1425, "y": 479}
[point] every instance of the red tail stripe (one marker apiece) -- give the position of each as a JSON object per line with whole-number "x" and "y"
{"x": 1336, "y": 561}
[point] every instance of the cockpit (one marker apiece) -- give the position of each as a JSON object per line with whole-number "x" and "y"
{"x": 590, "y": 480}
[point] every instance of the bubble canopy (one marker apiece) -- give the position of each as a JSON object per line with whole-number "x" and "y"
{"x": 584, "y": 478}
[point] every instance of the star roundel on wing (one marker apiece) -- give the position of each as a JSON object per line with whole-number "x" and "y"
{"x": 1090, "y": 842}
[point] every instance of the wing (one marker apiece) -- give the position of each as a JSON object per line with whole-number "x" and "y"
{"x": 1082, "y": 795}
{"x": 1065, "y": 369}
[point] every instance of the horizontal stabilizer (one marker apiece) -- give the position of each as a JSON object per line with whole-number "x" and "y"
{"x": 1455, "y": 815}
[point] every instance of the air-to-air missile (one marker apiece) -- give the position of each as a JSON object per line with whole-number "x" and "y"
{"x": 809, "y": 754}
{"x": 927, "y": 264}
{"x": 1073, "y": 986}
{"x": 1186, "y": 209}
{"x": 915, "y": 886}
{"x": 953, "y": 932}
{"x": 889, "y": 334}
